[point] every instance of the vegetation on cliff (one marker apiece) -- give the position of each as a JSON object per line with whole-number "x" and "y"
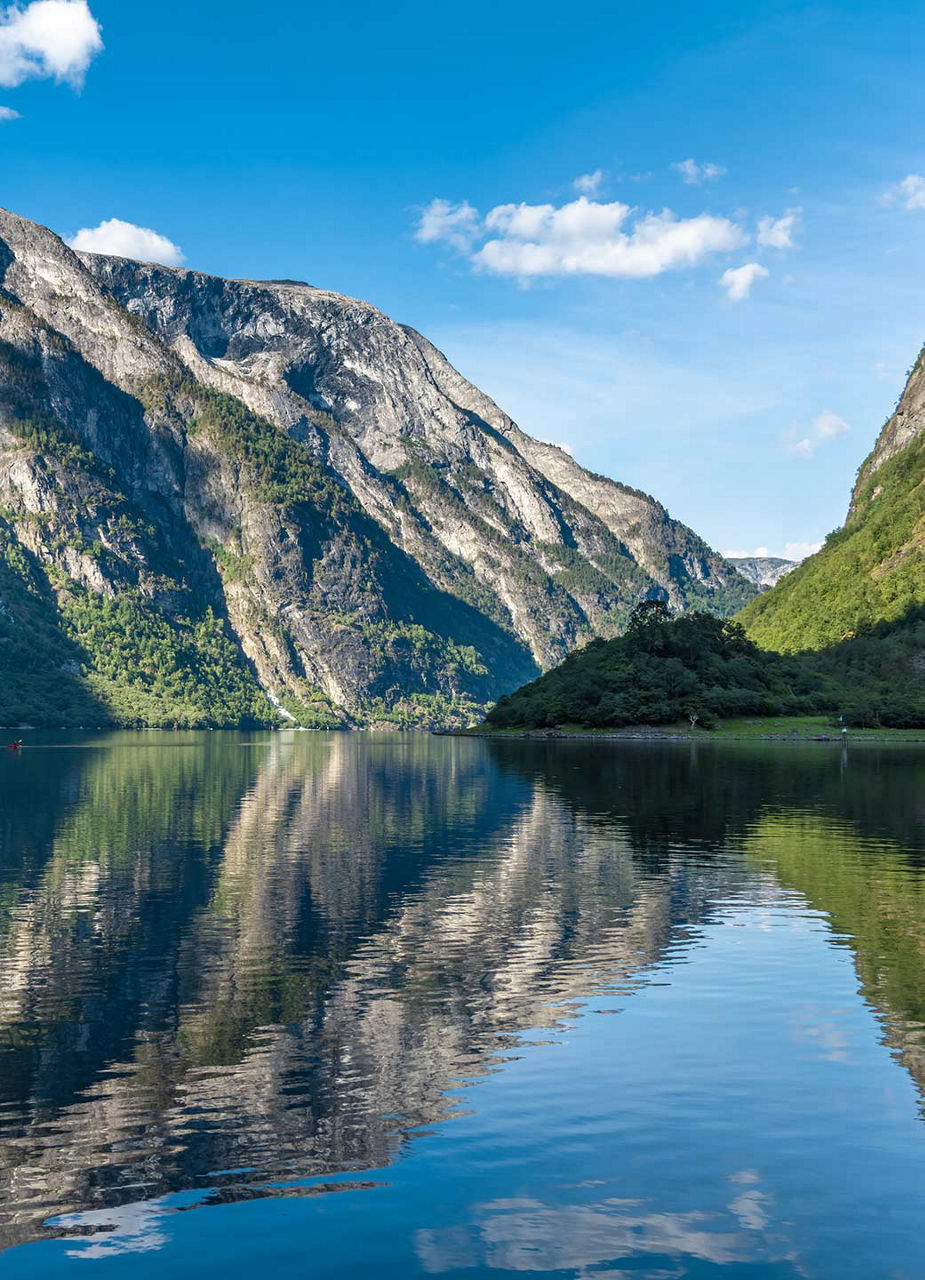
{"x": 870, "y": 571}
{"x": 71, "y": 657}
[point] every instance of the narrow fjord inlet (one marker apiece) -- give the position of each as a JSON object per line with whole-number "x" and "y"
{"x": 477, "y": 1007}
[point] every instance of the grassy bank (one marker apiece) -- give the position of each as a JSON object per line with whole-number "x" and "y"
{"x": 752, "y": 728}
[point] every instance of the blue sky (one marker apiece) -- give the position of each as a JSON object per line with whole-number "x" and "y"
{"x": 734, "y": 356}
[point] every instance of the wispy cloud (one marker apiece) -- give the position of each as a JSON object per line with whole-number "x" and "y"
{"x": 826, "y": 427}
{"x": 738, "y": 281}
{"x": 54, "y": 39}
{"x": 567, "y": 384}
{"x": 910, "y": 192}
{"x": 694, "y": 174}
{"x": 829, "y": 424}
{"x": 777, "y": 233}
{"x": 126, "y": 240}
{"x": 7, "y": 113}
{"x": 583, "y": 237}
{"x": 589, "y": 184}
{"x": 454, "y": 224}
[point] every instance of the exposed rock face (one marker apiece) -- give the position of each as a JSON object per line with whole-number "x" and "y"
{"x": 764, "y": 571}
{"x": 361, "y": 533}
{"x": 906, "y": 422}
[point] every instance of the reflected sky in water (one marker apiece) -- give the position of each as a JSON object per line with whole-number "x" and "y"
{"x": 408, "y": 1005}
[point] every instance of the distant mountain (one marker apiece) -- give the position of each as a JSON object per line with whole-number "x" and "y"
{"x": 872, "y": 570}
{"x": 764, "y": 571}
{"x": 221, "y": 497}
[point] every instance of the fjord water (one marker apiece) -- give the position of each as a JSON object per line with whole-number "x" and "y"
{"x": 373, "y": 1005}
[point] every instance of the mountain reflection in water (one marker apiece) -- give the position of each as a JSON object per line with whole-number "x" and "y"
{"x": 241, "y": 969}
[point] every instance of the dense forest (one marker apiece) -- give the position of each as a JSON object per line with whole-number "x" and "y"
{"x": 701, "y": 669}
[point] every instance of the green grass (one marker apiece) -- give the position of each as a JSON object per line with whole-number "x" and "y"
{"x": 744, "y": 729}
{"x": 808, "y": 728}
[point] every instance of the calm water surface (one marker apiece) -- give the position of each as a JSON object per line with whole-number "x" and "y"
{"x": 397, "y": 1006}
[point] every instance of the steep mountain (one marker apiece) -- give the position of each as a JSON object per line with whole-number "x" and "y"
{"x": 764, "y": 571}
{"x": 218, "y": 492}
{"x": 872, "y": 570}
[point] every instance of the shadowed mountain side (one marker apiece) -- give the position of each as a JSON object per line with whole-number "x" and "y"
{"x": 40, "y": 662}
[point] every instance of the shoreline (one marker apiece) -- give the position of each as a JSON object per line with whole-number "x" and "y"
{"x": 804, "y": 730}
{"x": 729, "y": 733}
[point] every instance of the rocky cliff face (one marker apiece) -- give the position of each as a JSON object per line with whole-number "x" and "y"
{"x": 215, "y": 491}
{"x": 904, "y": 425}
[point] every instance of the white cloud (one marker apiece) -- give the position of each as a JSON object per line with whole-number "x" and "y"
{"x": 827, "y": 426}
{"x": 125, "y": 240}
{"x": 49, "y": 38}
{"x": 910, "y": 192}
{"x": 792, "y": 551}
{"x": 777, "y": 233}
{"x": 588, "y": 184}
{"x": 7, "y": 113}
{"x": 695, "y": 175}
{"x": 738, "y": 281}
{"x": 455, "y": 224}
{"x": 759, "y": 553}
{"x": 583, "y": 237}
{"x": 800, "y": 550}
